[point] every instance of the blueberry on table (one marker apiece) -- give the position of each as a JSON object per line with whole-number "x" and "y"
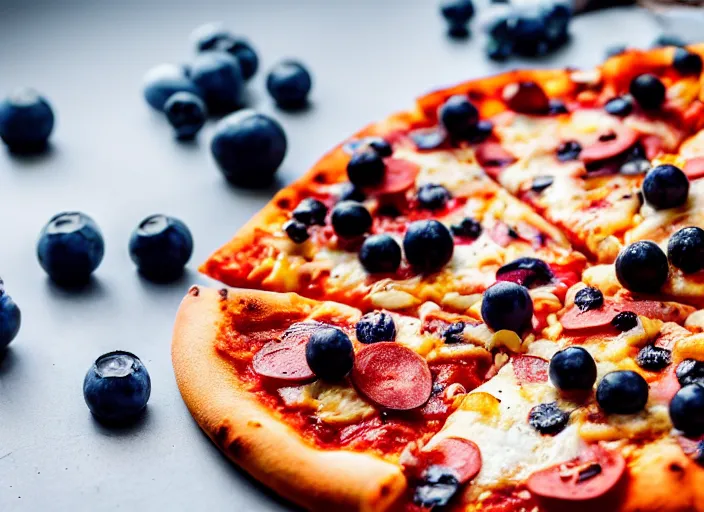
{"x": 642, "y": 267}
{"x": 186, "y": 113}
{"x": 330, "y": 354}
{"x": 621, "y": 106}
{"x": 499, "y": 49}
{"x": 117, "y": 387}
{"x": 380, "y": 254}
{"x": 366, "y": 168}
{"x": 690, "y": 371}
{"x": 26, "y": 121}
{"x": 350, "y": 219}
{"x": 432, "y": 196}
{"x": 622, "y": 392}
{"x": 529, "y": 34}
{"x": 428, "y": 245}
{"x": 458, "y": 116}
{"x": 219, "y": 77}
{"x": 160, "y": 247}
{"x": 667, "y": 40}
{"x": 437, "y": 487}
{"x": 589, "y": 298}
{"x": 165, "y": 80}
{"x": 209, "y": 36}
{"x": 507, "y": 305}
{"x": 457, "y": 13}
{"x": 241, "y": 50}
{"x": 653, "y": 358}
{"x": 686, "y": 62}
{"x": 70, "y": 248}
{"x": 248, "y": 148}
{"x": 625, "y": 321}
{"x": 613, "y": 51}
{"x": 310, "y": 211}
{"x": 375, "y": 327}
{"x": 572, "y": 369}
{"x": 685, "y": 250}
{"x": 10, "y": 320}
{"x": 556, "y": 19}
{"x": 687, "y": 409}
{"x": 289, "y": 83}
{"x": 548, "y": 418}
{"x": 666, "y": 186}
{"x": 648, "y": 91}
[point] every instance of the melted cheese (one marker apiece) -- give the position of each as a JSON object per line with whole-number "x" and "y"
{"x": 330, "y": 403}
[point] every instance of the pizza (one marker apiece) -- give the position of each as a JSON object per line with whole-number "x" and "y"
{"x": 487, "y": 303}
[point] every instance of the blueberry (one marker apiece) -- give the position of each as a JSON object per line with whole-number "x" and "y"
{"x": 248, "y": 148}
{"x": 686, "y": 62}
{"x": 310, "y": 212}
{"x": 350, "y": 219}
{"x": 499, "y": 49}
{"x": 556, "y": 19}
{"x": 507, "y": 305}
{"x": 685, "y": 250}
{"x": 26, "y": 121}
{"x": 380, "y": 254}
{"x": 382, "y": 147}
{"x": 572, "y": 369}
{"x": 642, "y": 267}
{"x": 425, "y": 139}
{"x": 117, "y": 387}
{"x": 219, "y": 77}
{"x": 625, "y": 321}
{"x": 535, "y": 271}
{"x": 622, "y": 392}
{"x": 10, "y": 320}
{"x": 209, "y": 36}
{"x": 589, "y": 298}
{"x": 457, "y": 13}
{"x": 244, "y": 53}
{"x": 648, "y": 91}
{"x": 366, "y": 168}
{"x": 375, "y": 327}
{"x": 453, "y": 333}
{"x": 165, "y": 80}
{"x": 569, "y": 150}
{"x": 186, "y": 113}
{"x": 690, "y": 371}
{"x": 556, "y": 106}
{"x": 667, "y": 40}
{"x": 289, "y": 83}
{"x": 540, "y": 183}
{"x": 687, "y": 409}
{"x": 348, "y": 192}
{"x": 653, "y": 358}
{"x": 666, "y": 186}
{"x": 613, "y": 51}
{"x": 428, "y": 245}
{"x": 529, "y": 35}
{"x": 296, "y": 231}
{"x": 70, "y": 248}
{"x": 620, "y": 106}
{"x": 698, "y": 455}
{"x": 432, "y": 196}
{"x": 548, "y": 418}
{"x": 330, "y": 353}
{"x": 467, "y": 227}
{"x": 481, "y": 131}
{"x": 436, "y": 488}
{"x": 635, "y": 167}
{"x": 458, "y": 116}
{"x": 160, "y": 247}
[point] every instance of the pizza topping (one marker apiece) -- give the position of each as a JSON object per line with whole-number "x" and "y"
{"x": 620, "y": 106}
{"x": 480, "y": 132}
{"x": 400, "y": 176}
{"x": 611, "y": 144}
{"x": 642, "y": 267}
{"x": 569, "y": 150}
{"x": 375, "y": 327}
{"x": 296, "y": 231}
{"x": 694, "y": 168}
{"x": 507, "y": 305}
{"x": 493, "y": 158}
{"x": 572, "y": 369}
{"x": 329, "y": 353}
{"x": 428, "y": 138}
{"x": 526, "y": 98}
{"x": 366, "y": 168}
{"x": 392, "y": 376}
{"x": 530, "y": 369}
{"x": 548, "y": 418}
{"x": 380, "y": 254}
{"x": 436, "y": 488}
{"x": 428, "y": 245}
{"x": 648, "y": 91}
{"x": 589, "y": 298}
{"x": 458, "y": 116}
{"x": 622, "y": 392}
{"x": 526, "y": 271}
{"x": 576, "y": 320}
{"x": 686, "y": 62}
{"x": 625, "y": 321}
{"x": 353, "y": 146}
{"x": 453, "y": 333}
{"x": 653, "y": 358}
{"x": 687, "y": 409}
{"x": 698, "y": 455}
{"x": 557, "y": 107}
{"x": 685, "y": 250}
{"x": 310, "y": 212}
{"x": 286, "y": 359}
{"x": 432, "y": 196}
{"x": 540, "y": 183}
{"x": 348, "y": 192}
{"x": 690, "y": 371}
{"x": 350, "y": 219}
{"x": 468, "y": 228}
{"x": 666, "y": 186}
{"x": 381, "y": 146}
{"x": 589, "y": 476}
{"x": 635, "y": 167}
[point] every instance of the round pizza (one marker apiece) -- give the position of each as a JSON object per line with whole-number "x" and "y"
{"x": 487, "y": 303}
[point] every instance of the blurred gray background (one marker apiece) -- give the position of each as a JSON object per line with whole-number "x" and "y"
{"x": 115, "y": 159}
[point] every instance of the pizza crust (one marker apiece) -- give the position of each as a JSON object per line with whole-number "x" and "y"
{"x": 250, "y": 434}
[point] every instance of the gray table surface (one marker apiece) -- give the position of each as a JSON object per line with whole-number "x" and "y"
{"x": 115, "y": 159}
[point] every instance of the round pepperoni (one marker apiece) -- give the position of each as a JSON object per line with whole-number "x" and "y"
{"x": 460, "y": 455}
{"x": 392, "y": 376}
{"x": 530, "y": 369}
{"x": 493, "y": 158}
{"x": 400, "y": 175}
{"x": 576, "y": 319}
{"x": 589, "y": 476}
{"x": 609, "y": 145}
{"x": 286, "y": 359}
{"x": 694, "y": 168}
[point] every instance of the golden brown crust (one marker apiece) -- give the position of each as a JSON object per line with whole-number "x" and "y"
{"x": 250, "y": 434}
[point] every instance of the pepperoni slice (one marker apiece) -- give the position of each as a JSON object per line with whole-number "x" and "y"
{"x": 460, "y": 455}
{"x": 591, "y": 475}
{"x": 530, "y": 369}
{"x": 392, "y": 376}
{"x": 652, "y": 144}
{"x": 575, "y": 319}
{"x": 694, "y": 168}
{"x": 609, "y": 145}
{"x": 493, "y": 158}
{"x": 286, "y": 359}
{"x": 400, "y": 175}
